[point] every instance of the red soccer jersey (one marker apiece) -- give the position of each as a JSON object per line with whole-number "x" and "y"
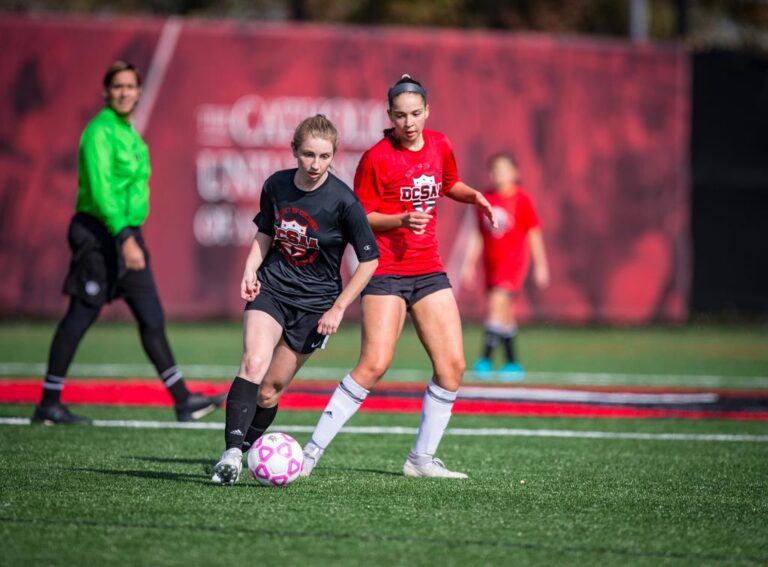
{"x": 506, "y": 256}
{"x": 393, "y": 180}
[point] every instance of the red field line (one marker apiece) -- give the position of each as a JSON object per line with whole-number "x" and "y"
{"x": 152, "y": 393}
{"x": 385, "y": 385}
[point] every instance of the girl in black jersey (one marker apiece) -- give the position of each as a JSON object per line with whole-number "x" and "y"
{"x": 292, "y": 283}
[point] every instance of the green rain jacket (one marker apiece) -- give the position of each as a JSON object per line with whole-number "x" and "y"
{"x": 113, "y": 173}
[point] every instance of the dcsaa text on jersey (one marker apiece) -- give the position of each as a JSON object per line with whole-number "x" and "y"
{"x": 423, "y": 194}
{"x": 291, "y": 237}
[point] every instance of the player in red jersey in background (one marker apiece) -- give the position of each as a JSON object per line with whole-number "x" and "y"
{"x": 399, "y": 181}
{"x": 507, "y": 250}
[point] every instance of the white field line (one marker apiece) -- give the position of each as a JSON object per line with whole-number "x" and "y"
{"x": 326, "y": 373}
{"x": 467, "y": 432}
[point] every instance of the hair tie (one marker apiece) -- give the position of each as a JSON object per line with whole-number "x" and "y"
{"x": 401, "y": 88}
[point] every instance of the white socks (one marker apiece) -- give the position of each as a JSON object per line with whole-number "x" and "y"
{"x": 504, "y": 331}
{"x": 346, "y": 399}
{"x": 349, "y": 396}
{"x": 435, "y": 415}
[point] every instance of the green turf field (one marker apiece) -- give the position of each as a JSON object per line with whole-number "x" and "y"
{"x": 140, "y": 497}
{"x": 124, "y": 496}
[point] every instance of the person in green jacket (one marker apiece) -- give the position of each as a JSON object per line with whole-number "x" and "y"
{"x": 109, "y": 256}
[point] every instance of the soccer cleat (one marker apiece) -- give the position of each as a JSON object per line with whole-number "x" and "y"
{"x": 432, "y": 469}
{"x": 511, "y": 372}
{"x": 483, "y": 367}
{"x": 58, "y": 414}
{"x": 198, "y": 405}
{"x": 312, "y": 454}
{"x": 227, "y": 470}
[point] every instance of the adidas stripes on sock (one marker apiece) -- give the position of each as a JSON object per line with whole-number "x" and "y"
{"x": 52, "y": 387}
{"x": 435, "y": 414}
{"x": 345, "y": 401}
{"x": 174, "y": 383}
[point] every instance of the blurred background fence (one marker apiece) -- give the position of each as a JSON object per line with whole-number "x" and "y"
{"x": 648, "y": 159}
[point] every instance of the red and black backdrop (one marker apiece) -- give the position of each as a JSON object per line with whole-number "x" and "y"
{"x": 599, "y": 127}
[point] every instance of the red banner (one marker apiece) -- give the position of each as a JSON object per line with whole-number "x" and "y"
{"x": 600, "y": 129}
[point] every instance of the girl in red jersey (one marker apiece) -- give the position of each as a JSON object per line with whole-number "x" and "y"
{"x": 399, "y": 182}
{"x": 506, "y": 259}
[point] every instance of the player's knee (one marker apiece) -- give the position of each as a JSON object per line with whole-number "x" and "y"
{"x": 370, "y": 370}
{"x": 73, "y": 329}
{"x": 269, "y": 395}
{"x": 253, "y": 366}
{"x": 149, "y": 314}
{"x": 450, "y": 372}
{"x": 153, "y": 333}
{"x": 153, "y": 325}
{"x": 457, "y": 368}
{"x": 77, "y": 321}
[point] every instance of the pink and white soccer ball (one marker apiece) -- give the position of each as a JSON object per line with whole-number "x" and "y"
{"x": 275, "y": 459}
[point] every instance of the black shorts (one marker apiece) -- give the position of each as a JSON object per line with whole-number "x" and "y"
{"x": 410, "y": 288}
{"x": 97, "y": 274}
{"x": 299, "y": 326}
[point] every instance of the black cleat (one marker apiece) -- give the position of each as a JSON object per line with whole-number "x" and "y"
{"x": 58, "y": 413}
{"x": 198, "y": 406}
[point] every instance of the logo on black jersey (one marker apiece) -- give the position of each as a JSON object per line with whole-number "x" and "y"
{"x": 423, "y": 194}
{"x": 293, "y": 236}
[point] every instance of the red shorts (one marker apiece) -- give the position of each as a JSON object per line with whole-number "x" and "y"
{"x": 504, "y": 276}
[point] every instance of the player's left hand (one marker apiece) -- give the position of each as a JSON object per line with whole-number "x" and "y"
{"x": 541, "y": 276}
{"x": 330, "y": 321}
{"x": 482, "y": 203}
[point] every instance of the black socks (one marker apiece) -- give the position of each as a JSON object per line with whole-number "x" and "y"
{"x": 497, "y": 336}
{"x": 509, "y": 347}
{"x": 491, "y": 341}
{"x": 241, "y": 407}
{"x": 261, "y": 421}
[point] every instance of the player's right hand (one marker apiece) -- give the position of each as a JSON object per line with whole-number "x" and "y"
{"x": 483, "y": 204}
{"x": 133, "y": 254}
{"x": 249, "y": 286}
{"x": 416, "y": 221}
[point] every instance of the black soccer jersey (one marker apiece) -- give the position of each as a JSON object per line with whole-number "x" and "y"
{"x": 310, "y": 231}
